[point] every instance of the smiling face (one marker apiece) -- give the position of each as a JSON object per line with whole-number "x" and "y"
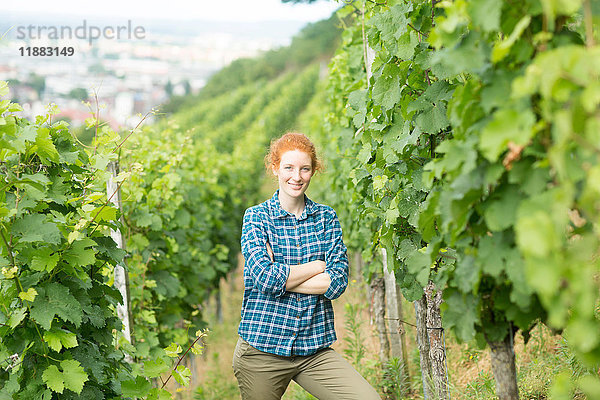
{"x": 294, "y": 173}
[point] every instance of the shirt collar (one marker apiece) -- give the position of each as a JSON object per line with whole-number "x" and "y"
{"x": 278, "y": 212}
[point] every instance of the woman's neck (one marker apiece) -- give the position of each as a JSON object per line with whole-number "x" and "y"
{"x": 294, "y": 205}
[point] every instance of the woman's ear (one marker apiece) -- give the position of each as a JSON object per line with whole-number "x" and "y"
{"x": 274, "y": 169}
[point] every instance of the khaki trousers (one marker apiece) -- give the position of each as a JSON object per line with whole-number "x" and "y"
{"x": 326, "y": 375}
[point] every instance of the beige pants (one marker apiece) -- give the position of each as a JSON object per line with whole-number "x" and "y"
{"x": 326, "y": 375}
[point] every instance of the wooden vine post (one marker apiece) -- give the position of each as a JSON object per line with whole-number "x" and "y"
{"x": 437, "y": 349}
{"x": 376, "y": 293}
{"x": 423, "y": 344}
{"x": 121, "y": 278}
{"x": 395, "y": 316}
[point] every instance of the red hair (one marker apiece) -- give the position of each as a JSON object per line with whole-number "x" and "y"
{"x": 291, "y": 141}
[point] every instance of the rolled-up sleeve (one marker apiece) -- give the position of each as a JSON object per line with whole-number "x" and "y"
{"x": 336, "y": 258}
{"x": 269, "y": 277}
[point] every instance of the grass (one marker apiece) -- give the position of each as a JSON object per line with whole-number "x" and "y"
{"x": 470, "y": 373}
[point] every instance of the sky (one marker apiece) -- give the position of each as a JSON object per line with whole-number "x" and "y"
{"x": 211, "y": 10}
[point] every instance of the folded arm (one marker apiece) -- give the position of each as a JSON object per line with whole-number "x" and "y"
{"x": 304, "y": 278}
{"x": 329, "y": 277}
{"x": 317, "y": 284}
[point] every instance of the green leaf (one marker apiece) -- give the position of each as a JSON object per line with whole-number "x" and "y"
{"x": 467, "y": 275}
{"x": 501, "y": 212}
{"x": 535, "y": 234}
{"x": 490, "y": 256}
{"x": 74, "y": 375}
{"x": 173, "y": 350}
{"x": 56, "y": 339}
{"x": 387, "y": 90}
{"x": 502, "y": 48}
{"x": 138, "y": 388}
{"x": 105, "y": 213}
{"x": 427, "y": 215}
{"x": 153, "y": 369}
{"x": 460, "y": 313}
{"x": 419, "y": 264}
{"x": 182, "y": 375}
{"x": 4, "y": 88}
{"x": 80, "y": 254}
{"x": 34, "y": 228}
{"x": 44, "y": 260}
{"x": 401, "y": 136}
{"x": 410, "y": 288}
{"x": 379, "y": 182}
{"x": 497, "y": 90}
{"x": 406, "y": 44}
{"x": 431, "y": 107}
{"x": 393, "y": 24}
{"x": 590, "y": 385}
{"x": 485, "y": 14}
{"x": 100, "y": 161}
{"x": 391, "y": 216}
{"x": 507, "y": 125}
{"x": 54, "y": 379}
{"x": 29, "y": 295}
{"x": 95, "y": 315}
{"x": 469, "y": 56}
{"x": 45, "y": 147}
{"x": 357, "y": 100}
{"x": 16, "y": 317}
{"x": 159, "y": 394}
{"x": 55, "y": 299}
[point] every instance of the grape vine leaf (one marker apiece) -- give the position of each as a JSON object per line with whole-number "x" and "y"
{"x": 57, "y": 339}
{"x": 54, "y": 379}
{"x": 490, "y": 247}
{"x": 431, "y": 107}
{"x": 159, "y": 394}
{"x": 501, "y": 212}
{"x": 44, "y": 260}
{"x": 387, "y": 90}
{"x": 507, "y": 125}
{"x": 460, "y": 313}
{"x": 137, "y": 388}
{"x": 467, "y": 275}
{"x": 34, "y": 228}
{"x": 16, "y": 317}
{"x": 80, "y": 254}
{"x": 357, "y": 100}
{"x": 173, "y": 350}
{"x": 55, "y": 299}
{"x": 485, "y": 14}
{"x": 153, "y": 369}
{"x": 182, "y": 375}
{"x": 74, "y": 375}
{"x": 29, "y": 295}
{"x": 45, "y": 147}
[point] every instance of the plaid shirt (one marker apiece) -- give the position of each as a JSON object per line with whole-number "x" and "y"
{"x": 274, "y": 320}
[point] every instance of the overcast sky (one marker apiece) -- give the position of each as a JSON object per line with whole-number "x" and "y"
{"x": 214, "y": 10}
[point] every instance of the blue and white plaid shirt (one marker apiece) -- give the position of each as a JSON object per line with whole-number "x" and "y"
{"x": 274, "y": 320}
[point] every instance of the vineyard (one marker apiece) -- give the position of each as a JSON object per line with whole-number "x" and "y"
{"x": 461, "y": 142}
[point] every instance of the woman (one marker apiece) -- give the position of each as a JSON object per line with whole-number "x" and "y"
{"x": 295, "y": 264}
